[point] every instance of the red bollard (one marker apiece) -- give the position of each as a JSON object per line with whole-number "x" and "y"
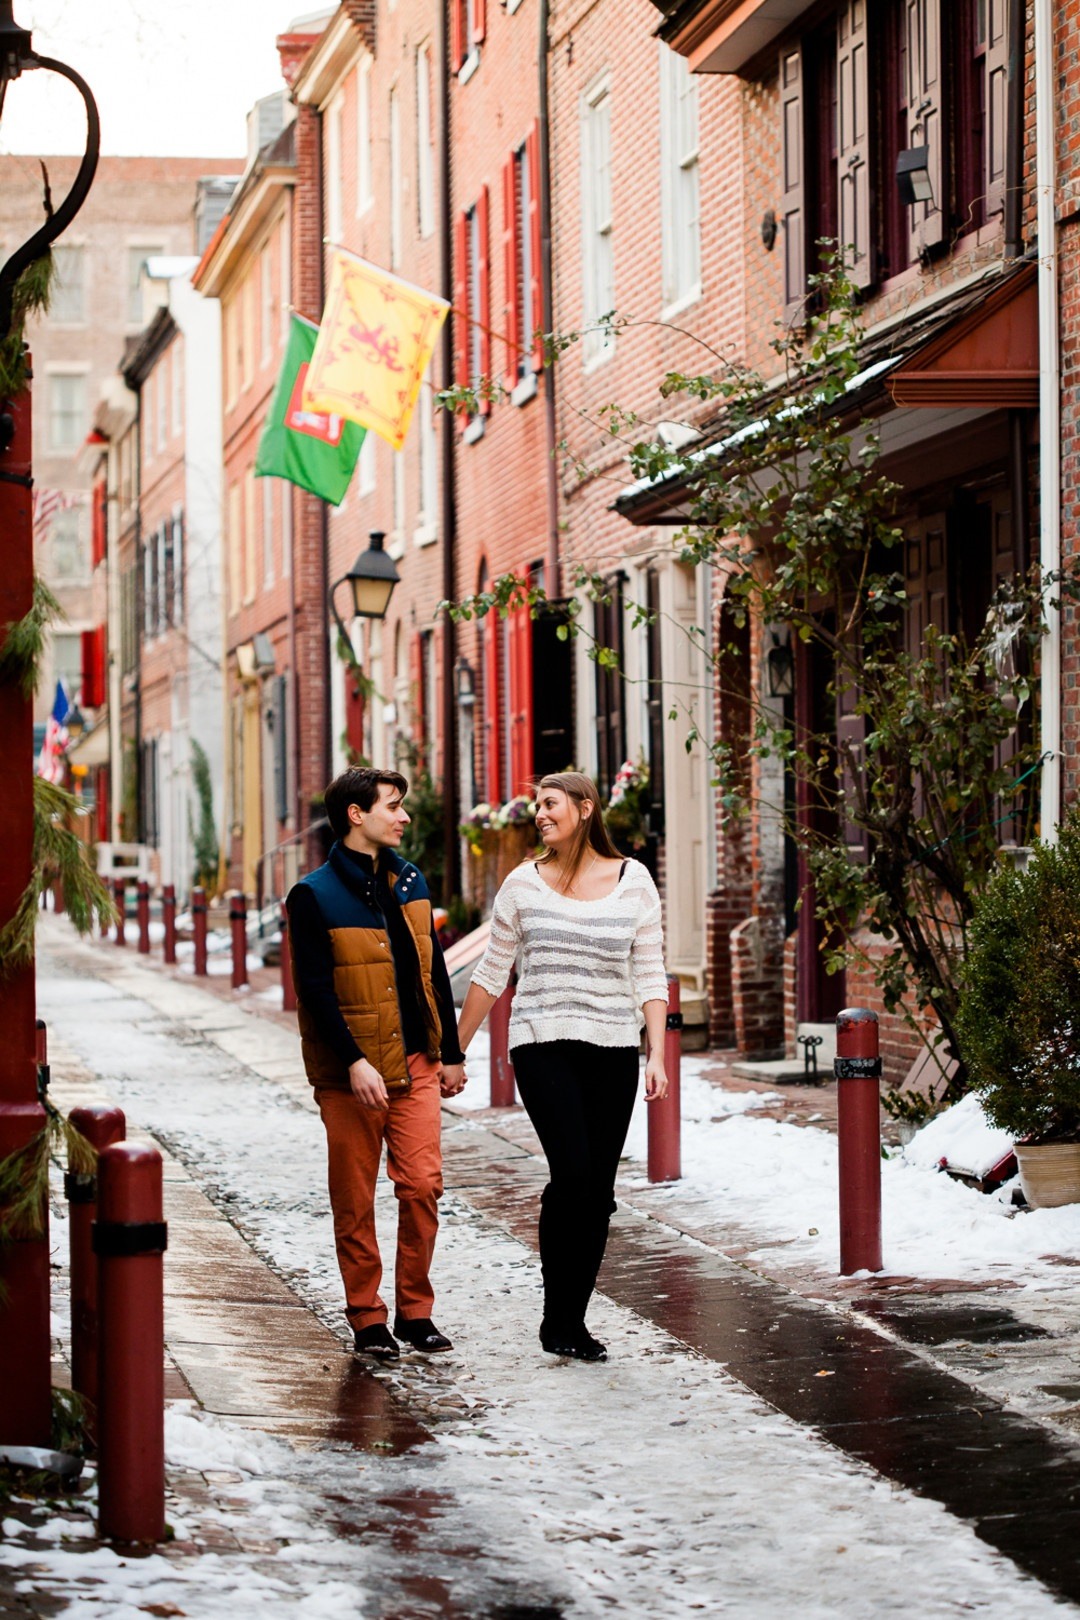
{"x": 58, "y": 897}
{"x": 121, "y": 911}
{"x": 142, "y": 913}
{"x": 101, "y": 1126}
{"x": 168, "y": 917}
{"x": 198, "y": 929}
{"x": 238, "y": 925}
{"x": 502, "y": 1070}
{"x": 129, "y": 1238}
{"x": 288, "y": 987}
{"x": 664, "y": 1116}
{"x": 858, "y": 1070}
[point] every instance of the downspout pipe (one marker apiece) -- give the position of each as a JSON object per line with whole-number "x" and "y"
{"x": 553, "y": 567}
{"x": 447, "y": 487}
{"x": 1049, "y": 418}
{"x": 323, "y": 617}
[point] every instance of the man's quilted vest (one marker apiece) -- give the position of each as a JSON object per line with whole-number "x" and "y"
{"x": 364, "y": 979}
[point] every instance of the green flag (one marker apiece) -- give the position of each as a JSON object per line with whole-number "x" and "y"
{"x": 315, "y": 451}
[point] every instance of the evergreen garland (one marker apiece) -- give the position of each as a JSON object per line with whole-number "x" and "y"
{"x": 204, "y": 836}
{"x": 59, "y": 855}
{"x": 24, "y": 644}
{"x": 31, "y": 296}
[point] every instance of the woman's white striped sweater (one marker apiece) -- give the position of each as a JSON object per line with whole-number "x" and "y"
{"x": 585, "y": 967}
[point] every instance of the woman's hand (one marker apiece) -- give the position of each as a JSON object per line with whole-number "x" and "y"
{"x": 656, "y": 1080}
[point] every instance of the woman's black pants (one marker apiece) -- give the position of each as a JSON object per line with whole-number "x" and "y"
{"x": 579, "y": 1098}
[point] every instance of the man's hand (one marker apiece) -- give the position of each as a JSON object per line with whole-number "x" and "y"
{"x": 452, "y": 1079}
{"x": 367, "y": 1084}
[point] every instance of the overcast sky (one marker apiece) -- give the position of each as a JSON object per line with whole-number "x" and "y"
{"x": 171, "y": 77}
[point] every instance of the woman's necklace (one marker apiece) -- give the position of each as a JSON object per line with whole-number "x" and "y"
{"x": 578, "y": 875}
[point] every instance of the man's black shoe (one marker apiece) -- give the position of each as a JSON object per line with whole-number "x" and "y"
{"x": 421, "y": 1333}
{"x": 376, "y": 1340}
{"x": 577, "y": 1343}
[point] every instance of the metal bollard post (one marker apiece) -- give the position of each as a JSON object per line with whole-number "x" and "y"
{"x": 502, "y": 1070}
{"x": 42, "y": 1059}
{"x": 168, "y": 917}
{"x": 129, "y": 1238}
{"x": 101, "y": 1126}
{"x": 288, "y": 986}
{"x": 198, "y": 929}
{"x": 142, "y": 913}
{"x": 238, "y": 924}
{"x": 858, "y": 1069}
{"x": 663, "y": 1117}
{"x": 119, "y": 896}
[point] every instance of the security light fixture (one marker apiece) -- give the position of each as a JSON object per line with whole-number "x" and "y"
{"x": 465, "y": 677}
{"x": 913, "y": 175}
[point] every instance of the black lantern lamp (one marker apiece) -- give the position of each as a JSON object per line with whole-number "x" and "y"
{"x": 780, "y": 664}
{"x": 17, "y": 56}
{"x": 465, "y": 677}
{"x": 75, "y": 722}
{"x": 372, "y": 577}
{"x": 913, "y": 175}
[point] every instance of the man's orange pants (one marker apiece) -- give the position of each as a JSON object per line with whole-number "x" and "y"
{"x": 355, "y": 1137}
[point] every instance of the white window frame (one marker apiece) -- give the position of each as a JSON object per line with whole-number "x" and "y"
{"x": 334, "y": 212}
{"x": 266, "y": 302}
{"x": 597, "y": 231}
{"x": 397, "y": 223}
{"x": 366, "y": 466}
{"x": 176, "y": 379}
{"x": 74, "y": 253}
{"x": 285, "y": 251}
{"x": 161, "y": 404}
{"x": 268, "y": 531}
{"x": 425, "y": 152}
{"x": 78, "y": 412}
{"x": 680, "y": 212}
{"x": 365, "y": 195}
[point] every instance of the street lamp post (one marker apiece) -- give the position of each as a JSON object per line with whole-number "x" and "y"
{"x": 371, "y": 581}
{"x": 25, "y": 1371}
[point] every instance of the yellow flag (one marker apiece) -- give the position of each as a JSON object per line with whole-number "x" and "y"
{"x": 374, "y": 344}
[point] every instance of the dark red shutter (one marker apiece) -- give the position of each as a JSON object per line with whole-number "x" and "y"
{"x": 416, "y": 680}
{"x": 354, "y": 714}
{"x": 853, "y": 139}
{"x": 484, "y": 286}
{"x": 461, "y": 304}
{"x": 479, "y": 19}
{"x": 532, "y": 158}
{"x": 997, "y": 102}
{"x": 925, "y": 121}
{"x": 510, "y": 270}
{"x": 793, "y": 212}
{"x": 98, "y": 511}
{"x": 519, "y": 661}
{"x": 433, "y": 722}
{"x": 92, "y": 690}
{"x": 491, "y": 744}
{"x": 457, "y": 34}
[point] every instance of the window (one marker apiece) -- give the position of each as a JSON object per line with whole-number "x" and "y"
{"x": 235, "y": 542}
{"x": 68, "y": 302}
{"x": 364, "y": 196}
{"x": 366, "y": 466}
{"x": 162, "y": 403}
{"x": 597, "y": 260}
{"x": 178, "y": 594}
{"x": 67, "y": 410}
{"x": 176, "y": 355}
{"x": 285, "y": 251}
{"x": 266, "y": 303}
{"x": 333, "y": 170}
{"x": 247, "y": 351}
{"x": 166, "y": 577}
{"x": 428, "y": 470}
{"x": 268, "y": 531}
{"x": 150, "y": 585}
{"x": 610, "y": 687}
{"x": 67, "y": 662}
{"x": 468, "y": 29}
{"x": 425, "y": 151}
{"x": 137, "y": 257}
{"x": 250, "y": 538}
{"x": 521, "y": 260}
{"x": 395, "y": 180}
{"x": 472, "y": 284}
{"x": 680, "y": 220}
{"x": 67, "y": 546}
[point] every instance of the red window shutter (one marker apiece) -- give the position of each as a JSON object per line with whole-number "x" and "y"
{"x": 484, "y": 283}
{"x": 457, "y": 34}
{"x": 792, "y": 216}
{"x": 100, "y": 662}
{"x": 532, "y": 158}
{"x": 997, "y": 77}
{"x": 97, "y": 524}
{"x": 853, "y": 139}
{"x": 461, "y": 303}
{"x": 90, "y": 694}
{"x": 492, "y": 750}
{"x": 354, "y": 714}
{"x": 416, "y": 681}
{"x": 433, "y": 722}
{"x": 101, "y": 794}
{"x": 925, "y": 122}
{"x": 510, "y": 269}
{"x": 479, "y": 21}
{"x": 521, "y": 717}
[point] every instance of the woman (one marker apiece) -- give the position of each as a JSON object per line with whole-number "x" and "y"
{"x": 584, "y": 928}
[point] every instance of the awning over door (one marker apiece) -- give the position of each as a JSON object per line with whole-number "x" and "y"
{"x": 988, "y": 358}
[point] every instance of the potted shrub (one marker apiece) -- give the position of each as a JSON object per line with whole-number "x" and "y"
{"x": 1019, "y": 1014}
{"x": 626, "y": 816}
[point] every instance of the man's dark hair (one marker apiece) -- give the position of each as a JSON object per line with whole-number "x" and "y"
{"x": 360, "y": 786}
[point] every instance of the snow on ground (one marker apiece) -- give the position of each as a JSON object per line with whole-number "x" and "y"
{"x": 655, "y": 1484}
{"x": 778, "y": 1182}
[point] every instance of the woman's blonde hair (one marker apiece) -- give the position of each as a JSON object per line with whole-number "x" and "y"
{"x": 592, "y": 834}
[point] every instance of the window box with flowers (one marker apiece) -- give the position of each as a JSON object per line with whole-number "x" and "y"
{"x": 627, "y": 813}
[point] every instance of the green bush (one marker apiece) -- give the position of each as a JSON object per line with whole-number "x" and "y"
{"x": 1019, "y": 1012}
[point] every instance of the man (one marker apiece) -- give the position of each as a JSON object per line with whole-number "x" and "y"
{"x": 379, "y": 1039}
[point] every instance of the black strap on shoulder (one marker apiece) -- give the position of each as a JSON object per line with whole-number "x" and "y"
{"x": 622, "y": 869}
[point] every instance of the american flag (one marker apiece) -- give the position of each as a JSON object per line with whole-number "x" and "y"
{"x": 47, "y": 503}
{"x": 50, "y": 763}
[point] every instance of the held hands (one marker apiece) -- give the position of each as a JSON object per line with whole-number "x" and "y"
{"x": 452, "y": 1079}
{"x": 656, "y": 1080}
{"x": 367, "y": 1084}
